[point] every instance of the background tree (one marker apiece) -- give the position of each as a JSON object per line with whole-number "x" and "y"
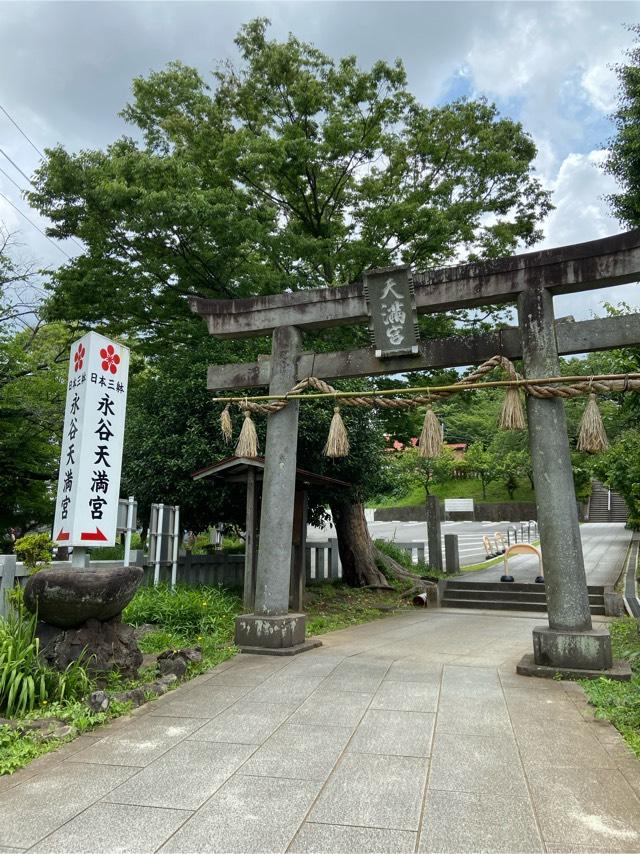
{"x": 480, "y": 463}
{"x": 33, "y": 362}
{"x": 624, "y": 157}
{"x": 295, "y": 171}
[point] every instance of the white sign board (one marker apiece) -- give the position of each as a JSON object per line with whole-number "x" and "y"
{"x": 91, "y": 458}
{"x": 458, "y": 505}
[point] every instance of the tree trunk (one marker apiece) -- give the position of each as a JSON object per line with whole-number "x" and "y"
{"x": 355, "y": 546}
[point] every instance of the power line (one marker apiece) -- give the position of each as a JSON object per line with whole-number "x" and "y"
{"x": 15, "y": 166}
{"x": 15, "y": 183}
{"x": 14, "y": 122}
{"x": 22, "y": 190}
{"x": 37, "y": 227}
{"x": 24, "y": 175}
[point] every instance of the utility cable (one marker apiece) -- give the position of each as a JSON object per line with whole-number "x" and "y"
{"x": 37, "y": 227}
{"x": 14, "y": 122}
{"x": 15, "y": 166}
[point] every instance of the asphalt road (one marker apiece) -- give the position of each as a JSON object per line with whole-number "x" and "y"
{"x": 470, "y": 534}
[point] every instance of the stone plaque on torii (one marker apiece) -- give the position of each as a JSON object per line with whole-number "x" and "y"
{"x": 530, "y": 280}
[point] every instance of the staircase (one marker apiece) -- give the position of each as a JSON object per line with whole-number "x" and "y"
{"x": 501, "y": 596}
{"x": 606, "y": 506}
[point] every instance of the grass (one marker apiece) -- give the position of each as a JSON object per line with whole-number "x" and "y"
{"x": 18, "y": 748}
{"x": 619, "y": 702}
{"x": 459, "y": 488}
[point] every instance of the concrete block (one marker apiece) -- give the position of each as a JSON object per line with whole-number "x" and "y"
{"x": 613, "y": 604}
{"x": 584, "y": 650}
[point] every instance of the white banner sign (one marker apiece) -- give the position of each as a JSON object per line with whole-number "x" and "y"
{"x": 458, "y": 505}
{"x": 91, "y": 458}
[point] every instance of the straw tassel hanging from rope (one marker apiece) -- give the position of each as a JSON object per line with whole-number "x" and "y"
{"x": 430, "y": 442}
{"x": 248, "y": 441}
{"x": 512, "y": 416}
{"x": 226, "y": 426}
{"x": 591, "y": 435}
{"x": 337, "y": 440}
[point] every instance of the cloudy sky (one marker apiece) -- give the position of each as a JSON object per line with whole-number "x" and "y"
{"x": 66, "y": 71}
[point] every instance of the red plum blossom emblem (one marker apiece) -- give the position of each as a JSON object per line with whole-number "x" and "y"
{"x": 78, "y": 358}
{"x": 110, "y": 359}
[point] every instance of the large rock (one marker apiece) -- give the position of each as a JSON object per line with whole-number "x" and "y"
{"x": 67, "y": 597}
{"x": 109, "y": 645}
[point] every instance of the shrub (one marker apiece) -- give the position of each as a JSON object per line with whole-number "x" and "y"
{"x": 35, "y": 551}
{"x": 24, "y": 680}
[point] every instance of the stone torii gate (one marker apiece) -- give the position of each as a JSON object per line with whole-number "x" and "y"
{"x": 530, "y": 280}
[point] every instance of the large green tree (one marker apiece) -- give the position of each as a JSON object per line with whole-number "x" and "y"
{"x": 292, "y": 170}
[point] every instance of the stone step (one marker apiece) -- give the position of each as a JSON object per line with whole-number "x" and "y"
{"x": 506, "y": 605}
{"x": 521, "y": 586}
{"x": 514, "y": 595}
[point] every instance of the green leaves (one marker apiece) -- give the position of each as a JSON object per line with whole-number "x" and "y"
{"x": 24, "y": 681}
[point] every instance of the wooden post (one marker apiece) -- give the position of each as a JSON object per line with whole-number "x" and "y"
{"x": 251, "y": 525}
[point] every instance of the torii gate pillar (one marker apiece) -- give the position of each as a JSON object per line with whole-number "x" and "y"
{"x": 271, "y": 630}
{"x": 569, "y": 641}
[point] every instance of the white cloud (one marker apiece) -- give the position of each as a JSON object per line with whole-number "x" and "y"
{"x": 581, "y": 211}
{"x": 582, "y": 214}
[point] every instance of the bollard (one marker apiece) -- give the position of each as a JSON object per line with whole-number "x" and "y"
{"x": 451, "y": 554}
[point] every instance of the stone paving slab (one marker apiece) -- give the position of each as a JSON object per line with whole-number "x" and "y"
{"x": 185, "y": 777}
{"x": 472, "y": 823}
{"x": 248, "y": 814}
{"x": 512, "y": 764}
{"x": 115, "y": 828}
{"x": 299, "y": 751}
{"x": 321, "y": 838}
{"x": 371, "y": 790}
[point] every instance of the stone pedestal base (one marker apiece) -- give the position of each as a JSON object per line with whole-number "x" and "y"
{"x": 283, "y": 635}
{"x": 588, "y": 650}
{"x": 573, "y": 655}
{"x": 620, "y": 671}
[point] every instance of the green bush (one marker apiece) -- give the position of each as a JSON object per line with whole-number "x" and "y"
{"x": 24, "y": 681}
{"x": 186, "y": 610}
{"x": 35, "y": 550}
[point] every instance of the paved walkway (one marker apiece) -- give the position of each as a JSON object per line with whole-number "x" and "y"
{"x": 604, "y": 546}
{"x": 412, "y": 733}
